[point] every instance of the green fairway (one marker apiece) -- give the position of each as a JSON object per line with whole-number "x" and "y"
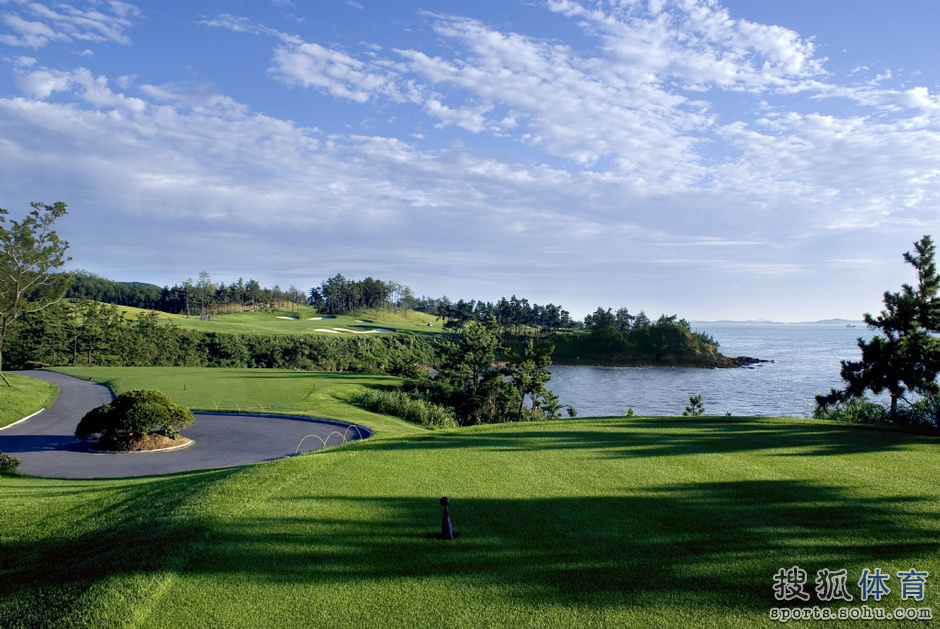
{"x": 304, "y": 320}
{"x": 604, "y": 523}
{"x": 25, "y": 397}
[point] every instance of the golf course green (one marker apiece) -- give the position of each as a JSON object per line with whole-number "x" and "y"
{"x": 646, "y": 522}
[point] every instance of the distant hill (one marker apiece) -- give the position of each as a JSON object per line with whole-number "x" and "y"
{"x": 845, "y": 322}
{"x": 841, "y": 322}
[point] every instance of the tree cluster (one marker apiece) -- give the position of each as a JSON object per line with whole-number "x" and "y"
{"x": 85, "y": 285}
{"x": 486, "y": 382}
{"x": 338, "y": 295}
{"x": 514, "y": 315}
{"x": 91, "y": 333}
{"x": 621, "y": 338}
{"x": 203, "y": 297}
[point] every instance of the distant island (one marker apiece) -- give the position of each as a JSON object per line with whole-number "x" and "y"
{"x": 666, "y": 342}
{"x": 840, "y": 322}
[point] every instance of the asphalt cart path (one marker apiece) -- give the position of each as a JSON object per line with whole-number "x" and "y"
{"x": 46, "y": 445}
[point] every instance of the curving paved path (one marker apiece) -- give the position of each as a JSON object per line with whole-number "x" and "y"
{"x": 46, "y": 445}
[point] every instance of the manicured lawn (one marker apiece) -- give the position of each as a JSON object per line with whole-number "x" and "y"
{"x": 597, "y": 523}
{"x": 25, "y": 397}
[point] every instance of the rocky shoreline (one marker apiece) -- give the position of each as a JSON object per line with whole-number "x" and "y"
{"x": 750, "y": 362}
{"x": 710, "y": 361}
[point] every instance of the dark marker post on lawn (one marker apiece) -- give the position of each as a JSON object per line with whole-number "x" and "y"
{"x": 447, "y": 529}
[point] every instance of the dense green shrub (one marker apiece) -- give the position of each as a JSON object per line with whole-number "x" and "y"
{"x": 858, "y": 410}
{"x": 135, "y": 413}
{"x": 408, "y": 406}
{"x": 8, "y": 463}
{"x": 924, "y": 412}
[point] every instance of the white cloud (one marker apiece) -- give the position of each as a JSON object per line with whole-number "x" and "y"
{"x": 34, "y": 25}
{"x": 664, "y": 136}
{"x": 189, "y": 95}
{"x": 697, "y": 44}
{"x": 239, "y": 24}
{"x": 40, "y": 83}
{"x": 28, "y": 33}
{"x": 339, "y": 74}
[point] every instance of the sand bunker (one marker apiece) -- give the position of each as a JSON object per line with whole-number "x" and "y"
{"x": 347, "y": 330}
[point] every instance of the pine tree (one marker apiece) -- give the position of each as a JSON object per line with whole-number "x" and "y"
{"x": 905, "y": 355}
{"x": 31, "y": 253}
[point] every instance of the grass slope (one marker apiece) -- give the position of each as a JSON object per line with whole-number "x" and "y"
{"x": 25, "y": 397}
{"x": 309, "y": 393}
{"x": 653, "y": 523}
{"x": 303, "y": 320}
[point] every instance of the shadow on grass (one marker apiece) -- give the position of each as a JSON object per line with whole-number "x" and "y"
{"x": 128, "y": 529}
{"x": 658, "y": 438}
{"x": 720, "y": 541}
{"x": 693, "y": 545}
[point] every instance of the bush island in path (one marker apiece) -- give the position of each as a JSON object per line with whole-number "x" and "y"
{"x": 134, "y": 414}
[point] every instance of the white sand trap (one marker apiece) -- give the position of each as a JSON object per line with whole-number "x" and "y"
{"x": 288, "y": 318}
{"x": 348, "y": 331}
{"x": 373, "y": 331}
{"x": 315, "y": 319}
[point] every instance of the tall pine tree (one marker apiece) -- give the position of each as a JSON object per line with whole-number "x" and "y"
{"x": 904, "y": 356}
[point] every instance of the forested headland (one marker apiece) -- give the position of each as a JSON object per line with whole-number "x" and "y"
{"x": 95, "y": 325}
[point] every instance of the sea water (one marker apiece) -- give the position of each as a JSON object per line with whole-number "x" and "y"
{"x": 806, "y": 361}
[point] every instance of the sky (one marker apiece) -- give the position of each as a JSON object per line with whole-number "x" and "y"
{"x": 744, "y": 159}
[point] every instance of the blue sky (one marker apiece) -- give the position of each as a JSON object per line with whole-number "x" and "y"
{"x": 739, "y": 159}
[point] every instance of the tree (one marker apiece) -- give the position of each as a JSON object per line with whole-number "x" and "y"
{"x": 470, "y": 373}
{"x": 624, "y": 319}
{"x": 205, "y": 289}
{"x": 695, "y": 407}
{"x": 905, "y": 356}
{"x": 484, "y": 382}
{"x": 132, "y": 415}
{"x": 529, "y": 372}
{"x": 31, "y": 252}
{"x": 600, "y": 319}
